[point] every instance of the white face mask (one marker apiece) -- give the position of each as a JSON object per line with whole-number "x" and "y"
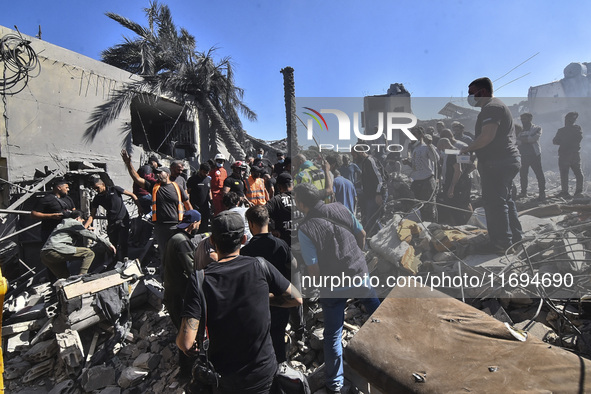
{"x": 220, "y": 165}
{"x": 472, "y": 100}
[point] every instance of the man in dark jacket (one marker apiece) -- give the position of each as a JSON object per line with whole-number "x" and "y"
{"x": 569, "y": 140}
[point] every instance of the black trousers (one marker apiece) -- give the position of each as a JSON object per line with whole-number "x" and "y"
{"x": 535, "y": 162}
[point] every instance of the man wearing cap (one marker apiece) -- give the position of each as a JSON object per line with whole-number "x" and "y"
{"x": 238, "y": 292}
{"x": 61, "y": 246}
{"x": 54, "y": 207}
{"x": 168, "y": 202}
{"x": 111, "y": 199}
{"x": 218, "y": 175}
{"x": 569, "y": 138}
{"x": 178, "y": 267}
{"x": 528, "y": 143}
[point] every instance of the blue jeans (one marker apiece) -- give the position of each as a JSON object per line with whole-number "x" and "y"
{"x": 334, "y": 317}
{"x": 504, "y": 228}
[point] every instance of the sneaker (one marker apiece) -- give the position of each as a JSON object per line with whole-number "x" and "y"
{"x": 564, "y": 195}
{"x": 542, "y": 196}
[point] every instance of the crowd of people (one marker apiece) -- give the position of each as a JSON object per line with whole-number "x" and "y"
{"x": 232, "y": 246}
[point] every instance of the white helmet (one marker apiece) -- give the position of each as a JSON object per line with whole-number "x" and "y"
{"x": 219, "y": 156}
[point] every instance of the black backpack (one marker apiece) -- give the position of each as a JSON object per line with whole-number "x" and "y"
{"x": 289, "y": 381}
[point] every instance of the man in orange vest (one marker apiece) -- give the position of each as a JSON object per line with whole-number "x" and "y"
{"x": 256, "y": 193}
{"x": 168, "y": 202}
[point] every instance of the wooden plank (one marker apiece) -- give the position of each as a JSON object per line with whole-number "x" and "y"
{"x": 79, "y": 288}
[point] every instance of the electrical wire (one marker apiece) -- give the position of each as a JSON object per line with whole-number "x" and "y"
{"x": 19, "y": 60}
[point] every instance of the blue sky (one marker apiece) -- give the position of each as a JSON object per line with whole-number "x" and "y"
{"x": 343, "y": 48}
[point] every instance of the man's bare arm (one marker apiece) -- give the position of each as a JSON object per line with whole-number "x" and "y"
{"x": 132, "y": 172}
{"x": 187, "y": 336}
{"x": 290, "y": 298}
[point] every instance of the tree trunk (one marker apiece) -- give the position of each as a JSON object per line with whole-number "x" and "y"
{"x": 220, "y": 126}
{"x": 290, "y": 111}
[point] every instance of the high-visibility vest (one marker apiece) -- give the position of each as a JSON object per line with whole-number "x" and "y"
{"x": 181, "y": 209}
{"x": 255, "y": 191}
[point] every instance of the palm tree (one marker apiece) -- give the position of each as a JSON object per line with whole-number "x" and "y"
{"x": 169, "y": 65}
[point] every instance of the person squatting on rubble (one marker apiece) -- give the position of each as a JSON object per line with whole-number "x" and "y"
{"x": 218, "y": 175}
{"x": 424, "y": 162}
{"x": 568, "y": 139}
{"x": 61, "y": 248}
{"x": 169, "y": 202}
{"x": 498, "y": 164}
{"x": 528, "y": 143}
{"x": 53, "y": 207}
{"x": 118, "y": 224}
{"x": 276, "y": 251}
{"x": 178, "y": 268}
{"x": 199, "y": 189}
{"x": 374, "y": 191}
{"x": 238, "y": 292}
{"x": 332, "y": 242}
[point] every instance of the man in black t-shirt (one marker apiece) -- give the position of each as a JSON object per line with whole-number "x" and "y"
{"x": 235, "y": 181}
{"x": 237, "y": 295}
{"x": 498, "y": 164}
{"x": 276, "y": 251}
{"x": 199, "y": 188}
{"x": 54, "y": 207}
{"x": 279, "y": 167}
{"x": 111, "y": 199}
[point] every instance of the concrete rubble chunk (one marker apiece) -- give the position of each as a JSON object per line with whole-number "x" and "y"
{"x": 71, "y": 351}
{"x": 112, "y": 390}
{"x": 18, "y": 341}
{"x": 317, "y": 339}
{"x": 65, "y": 387}
{"x": 15, "y": 328}
{"x": 38, "y": 370}
{"x": 15, "y": 370}
{"x": 131, "y": 376}
{"x": 42, "y": 351}
{"x": 98, "y": 377}
{"x": 147, "y": 361}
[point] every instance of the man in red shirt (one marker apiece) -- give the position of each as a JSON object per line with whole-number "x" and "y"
{"x": 218, "y": 175}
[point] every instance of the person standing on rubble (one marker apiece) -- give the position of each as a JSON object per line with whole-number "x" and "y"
{"x": 111, "y": 199}
{"x": 569, "y": 138}
{"x": 425, "y": 173}
{"x": 528, "y": 142}
{"x": 168, "y": 201}
{"x": 176, "y": 174}
{"x": 498, "y": 164}
{"x": 276, "y": 251}
{"x": 61, "y": 248}
{"x": 218, "y": 175}
{"x": 199, "y": 189}
{"x": 238, "y": 292}
{"x": 374, "y": 191}
{"x": 332, "y": 242}
{"x": 178, "y": 268}
{"x": 54, "y": 207}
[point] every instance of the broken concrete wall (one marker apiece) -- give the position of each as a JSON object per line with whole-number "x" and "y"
{"x": 45, "y": 122}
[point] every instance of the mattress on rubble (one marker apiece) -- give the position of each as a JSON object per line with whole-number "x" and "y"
{"x": 417, "y": 343}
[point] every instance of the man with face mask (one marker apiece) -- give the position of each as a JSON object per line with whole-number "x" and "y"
{"x": 498, "y": 164}
{"x": 569, "y": 140}
{"x": 235, "y": 182}
{"x": 279, "y": 167}
{"x": 528, "y": 142}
